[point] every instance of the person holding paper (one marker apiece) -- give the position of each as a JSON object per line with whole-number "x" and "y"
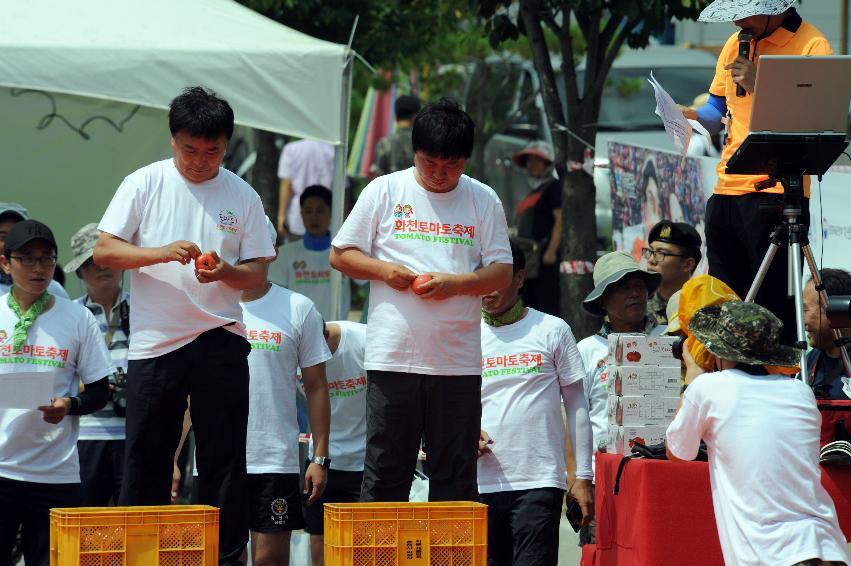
{"x": 738, "y": 230}
{"x": 41, "y": 333}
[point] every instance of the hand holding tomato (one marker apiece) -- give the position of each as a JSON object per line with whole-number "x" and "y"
{"x": 181, "y": 250}
{"x": 419, "y": 285}
{"x": 438, "y": 286}
{"x": 206, "y": 274}
{"x": 397, "y": 276}
{"x": 205, "y": 261}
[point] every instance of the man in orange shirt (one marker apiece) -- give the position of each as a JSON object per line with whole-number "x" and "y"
{"x": 738, "y": 231}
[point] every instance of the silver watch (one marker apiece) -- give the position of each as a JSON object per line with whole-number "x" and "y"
{"x": 323, "y": 461}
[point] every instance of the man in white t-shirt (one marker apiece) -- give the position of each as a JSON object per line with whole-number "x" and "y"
{"x": 302, "y": 265}
{"x": 530, "y": 366}
{"x": 10, "y": 214}
{"x": 286, "y": 333}
{"x": 423, "y": 350}
{"x": 302, "y": 163}
{"x": 188, "y": 336}
{"x": 762, "y": 435}
{"x": 101, "y": 443}
{"x": 620, "y": 294}
{"x": 347, "y": 392}
{"x": 42, "y": 333}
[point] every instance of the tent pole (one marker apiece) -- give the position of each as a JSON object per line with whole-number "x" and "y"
{"x": 338, "y": 188}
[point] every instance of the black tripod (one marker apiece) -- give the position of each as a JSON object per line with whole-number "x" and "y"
{"x": 786, "y": 158}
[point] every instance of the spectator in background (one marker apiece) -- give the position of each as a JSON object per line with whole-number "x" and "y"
{"x": 825, "y": 359}
{"x": 673, "y": 253}
{"x": 303, "y": 163}
{"x": 10, "y": 214}
{"x": 347, "y": 391}
{"x": 539, "y": 220}
{"x": 40, "y": 332}
{"x": 303, "y": 265}
{"x": 101, "y": 444}
{"x": 395, "y": 152}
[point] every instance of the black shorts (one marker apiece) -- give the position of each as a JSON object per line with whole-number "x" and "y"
{"x": 274, "y": 503}
{"x": 342, "y": 487}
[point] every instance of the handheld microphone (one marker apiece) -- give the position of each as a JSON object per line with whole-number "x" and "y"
{"x": 744, "y": 51}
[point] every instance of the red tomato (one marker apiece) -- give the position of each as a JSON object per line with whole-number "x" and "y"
{"x": 417, "y": 285}
{"x": 205, "y": 261}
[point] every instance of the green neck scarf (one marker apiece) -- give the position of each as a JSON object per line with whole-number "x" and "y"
{"x": 25, "y": 319}
{"x": 510, "y": 316}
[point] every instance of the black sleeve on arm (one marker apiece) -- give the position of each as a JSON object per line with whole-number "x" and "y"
{"x": 553, "y": 194}
{"x": 92, "y": 399}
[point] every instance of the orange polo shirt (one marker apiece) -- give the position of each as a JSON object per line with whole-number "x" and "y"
{"x": 794, "y": 37}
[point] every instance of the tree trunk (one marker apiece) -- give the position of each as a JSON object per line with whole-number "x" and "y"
{"x": 264, "y": 174}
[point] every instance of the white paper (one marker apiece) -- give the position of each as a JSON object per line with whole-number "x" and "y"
{"x": 26, "y": 390}
{"x": 678, "y": 126}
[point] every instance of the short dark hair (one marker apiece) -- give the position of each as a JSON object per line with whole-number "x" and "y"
{"x": 836, "y": 281}
{"x": 518, "y": 258}
{"x": 406, "y": 106}
{"x": 201, "y": 114}
{"x": 315, "y": 191}
{"x": 442, "y": 129}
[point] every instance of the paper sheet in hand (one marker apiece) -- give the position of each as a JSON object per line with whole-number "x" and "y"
{"x": 26, "y": 390}
{"x": 678, "y": 126}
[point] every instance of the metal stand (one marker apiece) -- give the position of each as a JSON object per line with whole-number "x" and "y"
{"x": 794, "y": 235}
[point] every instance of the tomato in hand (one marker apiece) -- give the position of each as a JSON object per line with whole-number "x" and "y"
{"x": 417, "y": 285}
{"x": 205, "y": 261}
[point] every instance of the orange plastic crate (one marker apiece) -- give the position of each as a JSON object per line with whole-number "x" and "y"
{"x": 168, "y": 535}
{"x": 448, "y": 533}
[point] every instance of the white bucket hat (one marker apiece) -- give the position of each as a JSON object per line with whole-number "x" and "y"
{"x": 610, "y": 269}
{"x": 732, "y": 10}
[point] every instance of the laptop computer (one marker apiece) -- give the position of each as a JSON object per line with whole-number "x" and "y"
{"x": 802, "y": 94}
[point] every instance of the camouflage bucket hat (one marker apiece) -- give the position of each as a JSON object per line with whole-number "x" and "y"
{"x": 743, "y": 332}
{"x": 82, "y": 246}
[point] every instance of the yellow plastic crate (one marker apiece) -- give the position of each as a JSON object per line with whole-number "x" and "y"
{"x": 448, "y": 533}
{"x": 168, "y": 535}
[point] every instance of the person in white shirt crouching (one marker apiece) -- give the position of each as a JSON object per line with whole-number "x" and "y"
{"x": 762, "y": 435}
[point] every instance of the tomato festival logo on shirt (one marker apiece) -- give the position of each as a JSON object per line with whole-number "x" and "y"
{"x": 435, "y": 232}
{"x": 227, "y": 221}
{"x": 510, "y": 364}
{"x": 264, "y": 340}
{"x": 33, "y": 354}
{"x": 309, "y": 277}
{"x": 347, "y": 387}
{"x": 3, "y": 336}
{"x": 401, "y": 210}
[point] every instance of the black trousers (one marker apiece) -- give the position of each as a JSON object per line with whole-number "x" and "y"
{"x": 738, "y": 233}
{"x": 523, "y": 526}
{"x": 213, "y": 370}
{"x": 101, "y": 471}
{"x": 27, "y": 506}
{"x": 403, "y": 409}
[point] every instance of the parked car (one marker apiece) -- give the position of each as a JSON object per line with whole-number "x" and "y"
{"x": 627, "y": 115}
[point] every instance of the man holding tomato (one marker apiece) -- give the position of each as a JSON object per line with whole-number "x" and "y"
{"x": 188, "y": 336}
{"x": 423, "y": 352}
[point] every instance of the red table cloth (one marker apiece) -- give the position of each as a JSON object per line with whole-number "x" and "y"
{"x": 663, "y": 513}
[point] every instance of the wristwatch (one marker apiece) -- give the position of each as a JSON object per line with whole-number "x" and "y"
{"x": 323, "y": 461}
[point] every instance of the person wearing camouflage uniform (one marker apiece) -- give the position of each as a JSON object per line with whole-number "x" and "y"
{"x": 762, "y": 435}
{"x": 674, "y": 253}
{"x": 395, "y": 152}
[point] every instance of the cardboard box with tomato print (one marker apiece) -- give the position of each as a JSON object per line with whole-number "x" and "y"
{"x": 642, "y": 350}
{"x": 645, "y": 380}
{"x": 641, "y": 410}
{"x": 622, "y": 438}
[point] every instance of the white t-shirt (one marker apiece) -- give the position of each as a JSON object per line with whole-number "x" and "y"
{"x": 524, "y": 367}
{"x": 594, "y": 351}
{"x": 347, "y": 390}
{"x": 155, "y": 206}
{"x": 66, "y": 342}
{"x": 397, "y": 220}
{"x": 309, "y": 272}
{"x": 54, "y": 288}
{"x": 762, "y": 435}
{"x": 285, "y": 333}
{"x": 305, "y": 163}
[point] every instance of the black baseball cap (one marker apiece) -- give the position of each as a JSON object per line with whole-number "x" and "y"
{"x": 25, "y": 232}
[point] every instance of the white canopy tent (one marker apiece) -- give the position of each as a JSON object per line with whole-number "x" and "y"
{"x": 144, "y": 53}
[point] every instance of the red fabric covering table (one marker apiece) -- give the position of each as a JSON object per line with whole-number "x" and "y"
{"x": 663, "y": 513}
